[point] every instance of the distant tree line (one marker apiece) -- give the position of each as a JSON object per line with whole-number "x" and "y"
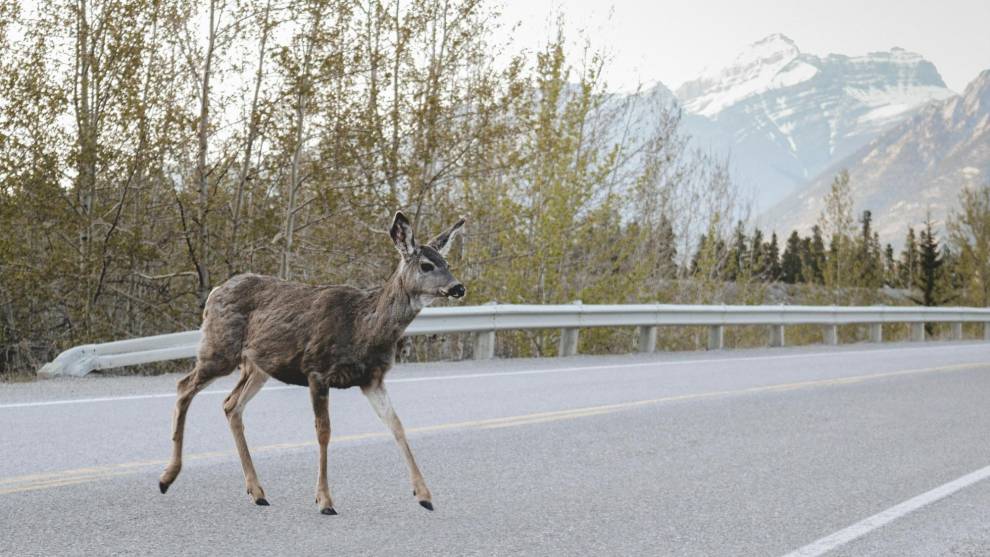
{"x": 930, "y": 270}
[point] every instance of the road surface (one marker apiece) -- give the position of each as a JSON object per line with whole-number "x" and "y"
{"x": 853, "y": 450}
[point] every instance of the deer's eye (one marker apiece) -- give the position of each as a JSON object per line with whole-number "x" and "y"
{"x": 426, "y": 267}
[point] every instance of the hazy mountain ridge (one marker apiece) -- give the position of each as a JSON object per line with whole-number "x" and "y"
{"x": 785, "y": 116}
{"x": 919, "y": 165}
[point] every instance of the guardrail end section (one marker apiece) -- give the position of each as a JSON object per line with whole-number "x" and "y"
{"x": 74, "y": 362}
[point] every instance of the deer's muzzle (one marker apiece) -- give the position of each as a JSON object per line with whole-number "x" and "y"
{"x": 456, "y": 291}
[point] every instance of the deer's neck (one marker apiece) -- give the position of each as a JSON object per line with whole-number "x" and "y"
{"x": 392, "y": 309}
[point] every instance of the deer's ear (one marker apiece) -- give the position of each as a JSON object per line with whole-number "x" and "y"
{"x": 402, "y": 235}
{"x": 442, "y": 241}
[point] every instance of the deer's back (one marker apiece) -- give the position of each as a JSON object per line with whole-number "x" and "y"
{"x": 291, "y": 329}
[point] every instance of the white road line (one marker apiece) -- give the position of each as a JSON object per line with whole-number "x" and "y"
{"x": 661, "y": 364}
{"x": 122, "y": 398}
{"x": 538, "y": 371}
{"x": 867, "y": 525}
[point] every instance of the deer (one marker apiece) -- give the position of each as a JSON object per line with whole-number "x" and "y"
{"x": 320, "y": 337}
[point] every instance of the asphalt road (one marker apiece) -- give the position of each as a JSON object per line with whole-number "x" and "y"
{"x": 854, "y": 450}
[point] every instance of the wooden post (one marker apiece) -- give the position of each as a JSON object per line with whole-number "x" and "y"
{"x": 876, "y": 332}
{"x": 776, "y": 335}
{"x": 647, "y": 339}
{"x": 716, "y": 337}
{"x": 831, "y": 335}
{"x": 917, "y": 332}
{"x": 484, "y": 345}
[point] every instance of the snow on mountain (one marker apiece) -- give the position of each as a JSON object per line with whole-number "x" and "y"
{"x": 917, "y": 166}
{"x": 783, "y": 116}
{"x": 768, "y": 64}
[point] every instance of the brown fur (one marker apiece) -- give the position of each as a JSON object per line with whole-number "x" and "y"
{"x": 317, "y": 336}
{"x": 293, "y": 331}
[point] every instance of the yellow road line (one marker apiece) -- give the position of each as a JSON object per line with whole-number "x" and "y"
{"x": 49, "y": 480}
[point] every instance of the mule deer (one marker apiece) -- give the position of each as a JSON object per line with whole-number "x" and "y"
{"x": 318, "y": 337}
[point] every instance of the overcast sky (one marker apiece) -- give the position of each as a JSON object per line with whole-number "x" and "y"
{"x": 672, "y": 41}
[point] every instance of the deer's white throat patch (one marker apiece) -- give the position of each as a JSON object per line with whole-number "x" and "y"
{"x": 421, "y": 301}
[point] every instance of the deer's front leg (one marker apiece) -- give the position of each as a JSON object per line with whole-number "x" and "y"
{"x": 378, "y": 397}
{"x": 320, "y": 396}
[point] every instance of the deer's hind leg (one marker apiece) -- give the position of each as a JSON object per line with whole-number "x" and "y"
{"x": 195, "y": 381}
{"x": 251, "y": 381}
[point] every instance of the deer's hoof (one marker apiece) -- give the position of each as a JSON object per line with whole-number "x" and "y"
{"x": 262, "y": 502}
{"x": 426, "y": 505}
{"x": 328, "y": 511}
{"x": 163, "y": 487}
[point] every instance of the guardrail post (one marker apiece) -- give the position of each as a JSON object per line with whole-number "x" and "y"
{"x": 956, "y": 331}
{"x": 876, "y": 332}
{"x": 776, "y": 335}
{"x": 568, "y": 342}
{"x": 831, "y": 335}
{"x": 716, "y": 337}
{"x": 986, "y": 331}
{"x": 484, "y": 345}
{"x": 569, "y": 337}
{"x": 647, "y": 339}
{"x": 917, "y": 332}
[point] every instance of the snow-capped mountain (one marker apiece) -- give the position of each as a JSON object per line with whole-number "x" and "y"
{"x": 919, "y": 165}
{"x": 784, "y": 116}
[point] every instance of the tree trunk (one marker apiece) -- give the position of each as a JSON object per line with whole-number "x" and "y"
{"x": 202, "y": 176}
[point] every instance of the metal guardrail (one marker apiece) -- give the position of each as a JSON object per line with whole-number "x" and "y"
{"x": 484, "y": 321}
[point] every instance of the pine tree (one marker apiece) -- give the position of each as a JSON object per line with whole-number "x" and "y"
{"x": 757, "y": 261}
{"x": 790, "y": 264}
{"x": 930, "y": 262}
{"x": 738, "y": 264}
{"x": 868, "y": 253}
{"x": 815, "y": 262}
{"x": 909, "y": 263}
{"x": 772, "y": 259}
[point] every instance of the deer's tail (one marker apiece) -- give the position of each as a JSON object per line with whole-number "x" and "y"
{"x": 206, "y": 306}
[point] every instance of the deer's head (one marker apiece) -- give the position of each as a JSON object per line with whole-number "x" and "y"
{"x": 423, "y": 271}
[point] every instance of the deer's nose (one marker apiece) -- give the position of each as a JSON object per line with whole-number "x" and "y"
{"x": 457, "y": 291}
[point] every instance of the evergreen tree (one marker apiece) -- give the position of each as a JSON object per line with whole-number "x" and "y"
{"x": 772, "y": 259}
{"x": 868, "y": 253}
{"x": 757, "y": 264}
{"x": 815, "y": 262}
{"x": 738, "y": 264}
{"x": 909, "y": 263}
{"x": 929, "y": 280}
{"x": 790, "y": 264}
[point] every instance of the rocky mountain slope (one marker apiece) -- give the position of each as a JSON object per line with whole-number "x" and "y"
{"x": 917, "y": 166}
{"x": 784, "y": 116}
